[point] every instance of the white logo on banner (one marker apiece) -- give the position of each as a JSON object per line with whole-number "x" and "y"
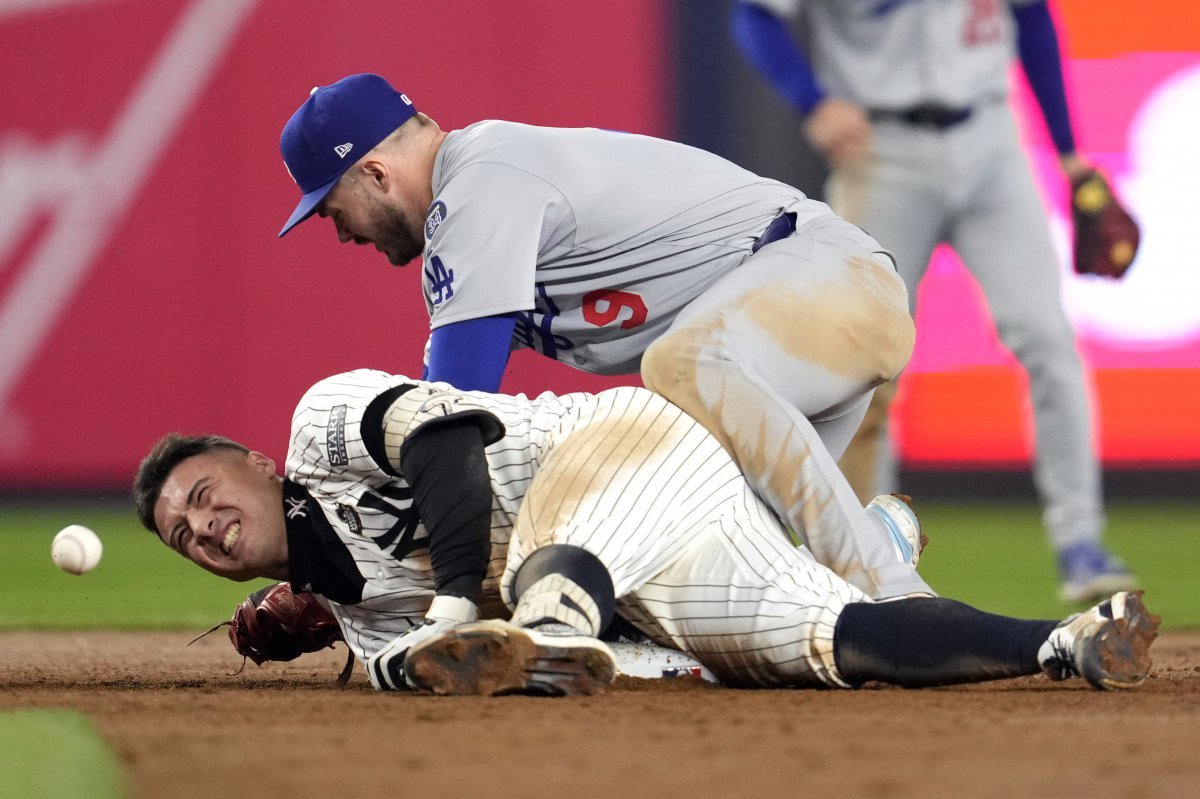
{"x": 106, "y": 176}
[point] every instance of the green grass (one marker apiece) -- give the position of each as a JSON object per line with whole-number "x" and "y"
{"x": 992, "y": 555}
{"x": 996, "y": 556}
{"x": 55, "y": 754}
{"x": 139, "y": 584}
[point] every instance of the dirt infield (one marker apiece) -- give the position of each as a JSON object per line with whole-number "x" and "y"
{"x": 183, "y": 727}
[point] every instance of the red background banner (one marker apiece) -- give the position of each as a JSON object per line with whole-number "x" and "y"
{"x": 143, "y": 288}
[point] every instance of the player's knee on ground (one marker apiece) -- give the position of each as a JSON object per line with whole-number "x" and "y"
{"x": 563, "y": 584}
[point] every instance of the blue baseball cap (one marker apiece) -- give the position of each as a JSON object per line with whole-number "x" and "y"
{"x": 337, "y": 125}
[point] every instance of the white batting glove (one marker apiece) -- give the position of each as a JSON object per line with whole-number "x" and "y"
{"x": 386, "y": 667}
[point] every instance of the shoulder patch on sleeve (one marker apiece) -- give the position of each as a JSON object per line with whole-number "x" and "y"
{"x": 335, "y": 437}
{"x": 437, "y": 213}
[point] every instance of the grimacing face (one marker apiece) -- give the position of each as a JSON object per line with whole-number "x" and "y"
{"x": 363, "y": 216}
{"x": 223, "y": 510}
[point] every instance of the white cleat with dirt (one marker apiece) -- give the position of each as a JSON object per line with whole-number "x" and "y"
{"x": 895, "y": 510}
{"x": 1108, "y": 645}
{"x": 492, "y": 658}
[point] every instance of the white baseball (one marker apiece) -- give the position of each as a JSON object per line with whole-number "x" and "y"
{"x": 76, "y": 549}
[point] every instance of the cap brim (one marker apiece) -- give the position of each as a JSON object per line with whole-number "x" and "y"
{"x": 308, "y": 205}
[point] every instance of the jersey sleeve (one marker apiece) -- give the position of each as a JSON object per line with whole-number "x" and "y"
{"x": 328, "y": 446}
{"x": 486, "y": 229}
{"x": 1038, "y": 48}
{"x": 472, "y": 354}
{"x": 784, "y": 8}
{"x": 430, "y": 405}
{"x": 765, "y": 40}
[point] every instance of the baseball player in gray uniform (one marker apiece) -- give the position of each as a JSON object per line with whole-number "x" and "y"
{"x": 414, "y": 508}
{"x": 909, "y": 101}
{"x": 753, "y": 308}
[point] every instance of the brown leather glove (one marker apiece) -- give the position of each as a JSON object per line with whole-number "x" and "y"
{"x": 1106, "y": 236}
{"x": 275, "y": 624}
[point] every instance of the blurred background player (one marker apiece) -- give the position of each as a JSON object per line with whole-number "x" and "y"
{"x": 908, "y": 100}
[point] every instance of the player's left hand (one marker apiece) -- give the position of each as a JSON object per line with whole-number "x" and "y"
{"x": 1106, "y": 236}
{"x": 275, "y": 624}
{"x": 386, "y": 667}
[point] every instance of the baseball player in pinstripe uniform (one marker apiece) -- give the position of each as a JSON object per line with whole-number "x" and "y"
{"x": 751, "y": 307}
{"x": 909, "y": 101}
{"x": 414, "y": 509}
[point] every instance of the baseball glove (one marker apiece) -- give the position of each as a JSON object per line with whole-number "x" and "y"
{"x": 1106, "y": 237}
{"x": 275, "y": 624}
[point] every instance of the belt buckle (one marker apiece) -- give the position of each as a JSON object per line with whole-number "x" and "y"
{"x": 939, "y": 117}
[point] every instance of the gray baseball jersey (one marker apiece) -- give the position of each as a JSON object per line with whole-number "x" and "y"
{"x": 900, "y": 53}
{"x": 619, "y": 251}
{"x": 624, "y": 473}
{"x": 598, "y": 238}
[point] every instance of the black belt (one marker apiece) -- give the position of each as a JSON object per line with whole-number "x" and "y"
{"x": 926, "y": 115}
{"x": 781, "y": 227}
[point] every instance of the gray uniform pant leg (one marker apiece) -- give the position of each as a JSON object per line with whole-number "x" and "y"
{"x": 778, "y": 360}
{"x": 972, "y": 188}
{"x": 1006, "y": 246}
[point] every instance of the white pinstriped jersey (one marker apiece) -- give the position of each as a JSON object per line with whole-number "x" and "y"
{"x": 697, "y": 561}
{"x": 371, "y": 512}
{"x": 388, "y": 581}
{"x": 598, "y": 238}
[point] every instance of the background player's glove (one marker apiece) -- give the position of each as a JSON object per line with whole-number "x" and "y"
{"x": 1106, "y": 237}
{"x": 275, "y": 624}
{"x": 386, "y": 667}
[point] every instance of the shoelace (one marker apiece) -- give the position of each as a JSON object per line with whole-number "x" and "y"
{"x": 1060, "y": 665}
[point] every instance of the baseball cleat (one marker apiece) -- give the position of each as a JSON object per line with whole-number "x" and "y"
{"x": 1090, "y": 573}
{"x": 897, "y": 514}
{"x": 492, "y": 658}
{"x": 1108, "y": 645}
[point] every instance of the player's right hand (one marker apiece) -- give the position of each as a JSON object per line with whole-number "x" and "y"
{"x": 386, "y": 667}
{"x": 839, "y": 129}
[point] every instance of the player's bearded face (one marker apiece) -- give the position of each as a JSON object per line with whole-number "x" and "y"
{"x": 394, "y": 234}
{"x": 223, "y": 510}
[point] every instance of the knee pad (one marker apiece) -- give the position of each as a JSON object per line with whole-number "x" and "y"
{"x": 566, "y": 584}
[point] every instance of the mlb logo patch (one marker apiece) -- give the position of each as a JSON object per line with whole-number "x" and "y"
{"x": 683, "y": 671}
{"x": 437, "y": 212}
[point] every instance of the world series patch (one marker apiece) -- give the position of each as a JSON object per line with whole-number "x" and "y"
{"x": 437, "y": 213}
